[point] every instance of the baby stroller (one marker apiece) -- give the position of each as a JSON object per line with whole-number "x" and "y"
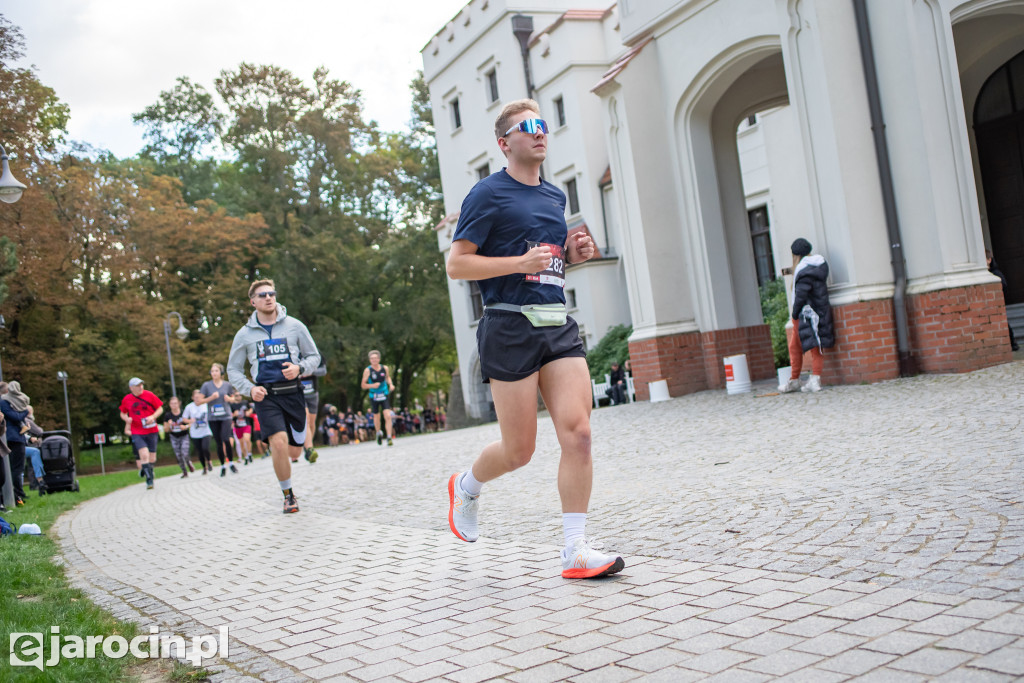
{"x": 58, "y": 461}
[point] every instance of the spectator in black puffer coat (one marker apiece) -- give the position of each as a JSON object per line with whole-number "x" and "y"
{"x": 812, "y": 316}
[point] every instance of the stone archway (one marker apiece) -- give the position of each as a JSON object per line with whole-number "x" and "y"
{"x": 999, "y": 136}
{"x": 989, "y": 41}
{"x": 744, "y": 80}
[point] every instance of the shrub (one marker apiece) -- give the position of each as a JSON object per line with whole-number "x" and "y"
{"x": 613, "y": 347}
{"x": 775, "y": 310}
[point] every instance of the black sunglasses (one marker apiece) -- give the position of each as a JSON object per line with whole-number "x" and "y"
{"x": 264, "y": 295}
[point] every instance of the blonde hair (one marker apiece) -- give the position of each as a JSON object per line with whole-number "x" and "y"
{"x": 501, "y": 124}
{"x": 259, "y": 283}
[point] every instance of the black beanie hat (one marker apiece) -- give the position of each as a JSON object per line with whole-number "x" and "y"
{"x": 801, "y": 247}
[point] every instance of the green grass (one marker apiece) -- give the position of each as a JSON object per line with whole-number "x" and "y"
{"x": 35, "y": 594}
{"x": 118, "y": 456}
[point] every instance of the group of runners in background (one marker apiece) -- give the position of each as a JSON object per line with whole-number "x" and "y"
{"x": 284, "y": 366}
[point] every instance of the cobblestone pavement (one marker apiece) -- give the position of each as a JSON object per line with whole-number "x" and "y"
{"x": 866, "y": 532}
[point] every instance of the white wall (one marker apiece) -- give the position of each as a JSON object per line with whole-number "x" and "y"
{"x": 570, "y": 54}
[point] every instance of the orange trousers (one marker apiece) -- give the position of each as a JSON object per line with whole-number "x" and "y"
{"x": 796, "y": 354}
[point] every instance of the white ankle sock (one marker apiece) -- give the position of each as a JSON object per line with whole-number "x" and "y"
{"x": 285, "y": 485}
{"x": 574, "y": 526}
{"x": 469, "y": 483}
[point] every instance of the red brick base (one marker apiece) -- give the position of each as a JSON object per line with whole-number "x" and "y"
{"x": 951, "y": 330}
{"x": 693, "y": 361}
{"x": 959, "y": 330}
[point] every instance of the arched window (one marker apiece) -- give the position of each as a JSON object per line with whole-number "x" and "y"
{"x": 1003, "y": 92}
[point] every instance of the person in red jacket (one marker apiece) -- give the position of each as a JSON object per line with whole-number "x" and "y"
{"x": 140, "y": 409}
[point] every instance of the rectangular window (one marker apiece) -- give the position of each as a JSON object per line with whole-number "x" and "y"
{"x": 492, "y": 85}
{"x": 570, "y": 299}
{"x": 571, "y": 196}
{"x": 476, "y": 300}
{"x": 560, "y": 111}
{"x": 764, "y": 262}
{"x": 456, "y": 114}
{"x": 483, "y": 171}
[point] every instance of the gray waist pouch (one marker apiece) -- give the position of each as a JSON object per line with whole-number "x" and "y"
{"x": 539, "y": 315}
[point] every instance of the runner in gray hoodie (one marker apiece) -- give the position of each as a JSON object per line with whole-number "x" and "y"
{"x": 274, "y": 343}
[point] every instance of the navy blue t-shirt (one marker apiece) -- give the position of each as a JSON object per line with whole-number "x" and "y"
{"x": 503, "y": 217}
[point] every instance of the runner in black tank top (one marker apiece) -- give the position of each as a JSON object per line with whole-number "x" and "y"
{"x": 377, "y": 379}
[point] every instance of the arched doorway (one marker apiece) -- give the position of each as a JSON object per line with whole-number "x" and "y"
{"x": 999, "y": 135}
{"x": 746, "y": 79}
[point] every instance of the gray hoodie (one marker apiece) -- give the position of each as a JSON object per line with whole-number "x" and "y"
{"x": 250, "y": 342}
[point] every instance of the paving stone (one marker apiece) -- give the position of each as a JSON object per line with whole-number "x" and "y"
{"x": 1008, "y": 623}
{"x": 811, "y": 626}
{"x": 591, "y": 659}
{"x": 977, "y": 641}
{"x": 1006, "y": 661}
{"x": 943, "y": 625}
{"x": 813, "y": 675}
{"x": 931, "y": 661}
{"x": 875, "y": 626}
{"x": 856, "y": 662}
{"x": 655, "y": 660}
{"x": 782, "y": 663}
{"x": 715, "y": 661}
{"x": 829, "y": 644}
{"x": 887, "y": 674}
{"x": 767, "y": 643}
{"x": 481, "y": 672}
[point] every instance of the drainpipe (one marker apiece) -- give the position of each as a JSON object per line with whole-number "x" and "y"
{"x": 604, "y": 219}
{"x": 522, "y": 28}
{"x": 907, "y": 365}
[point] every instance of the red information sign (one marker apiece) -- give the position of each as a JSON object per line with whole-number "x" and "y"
{"x": 99, "y": 438}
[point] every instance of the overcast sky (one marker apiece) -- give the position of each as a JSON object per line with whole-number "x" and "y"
{"x": 108, "y": 59}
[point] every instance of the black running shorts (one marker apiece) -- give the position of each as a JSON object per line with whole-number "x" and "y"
{"x": 380, "y": 406}
{"x": 147, "y": 441}
{"x": 511, "y": 348}
{"x": 283, "y": 413}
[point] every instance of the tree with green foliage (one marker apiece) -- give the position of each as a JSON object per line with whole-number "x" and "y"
{"x": 349, "y": 212}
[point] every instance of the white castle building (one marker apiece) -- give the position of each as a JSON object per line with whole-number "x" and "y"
{"x": 646, "y": 98}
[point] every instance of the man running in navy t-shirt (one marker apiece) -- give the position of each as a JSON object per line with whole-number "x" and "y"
{"x": 512, "y": 238}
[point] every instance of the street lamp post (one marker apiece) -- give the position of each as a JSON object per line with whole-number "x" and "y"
{"x": 63, "y": 377}
{"x": 180, "y": 333}
{"x": 3, "y": 326}
{"x": 10, "y": 192}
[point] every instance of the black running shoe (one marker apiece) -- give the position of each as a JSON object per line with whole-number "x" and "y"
{"x": 234, "y": 469}
{"x": 290, "y": 504}
{"x": 310, "y": 454}
{"x": 223, "y": 471}
{"x": 390, "y": 441}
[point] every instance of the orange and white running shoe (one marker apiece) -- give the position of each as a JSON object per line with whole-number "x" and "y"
{"x": 584, "y": 561}
{"x": 462, "y": 509}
